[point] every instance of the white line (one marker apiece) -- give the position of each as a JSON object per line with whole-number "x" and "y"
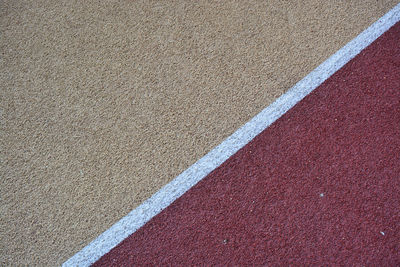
{"x": 177, "y": 187}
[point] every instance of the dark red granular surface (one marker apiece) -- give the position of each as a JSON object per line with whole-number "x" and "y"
{"x": 321, "y": 186}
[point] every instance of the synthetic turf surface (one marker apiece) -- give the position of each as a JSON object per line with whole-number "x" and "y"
{"x": 319, "y": 186}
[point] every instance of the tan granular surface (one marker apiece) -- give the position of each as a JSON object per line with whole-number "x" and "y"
{"x": 104, "y": 102}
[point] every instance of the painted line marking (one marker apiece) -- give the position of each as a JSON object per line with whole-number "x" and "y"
{"x": 183, "y": 182}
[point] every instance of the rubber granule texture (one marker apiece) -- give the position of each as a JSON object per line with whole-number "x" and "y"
{"x": 319, "y": 186}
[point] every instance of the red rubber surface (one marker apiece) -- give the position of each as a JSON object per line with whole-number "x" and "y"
{"x": 265, "y": 204}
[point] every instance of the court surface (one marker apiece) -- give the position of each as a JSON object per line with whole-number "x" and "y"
{"x": 106, "y": 103}
{"x": 320, "y": 186}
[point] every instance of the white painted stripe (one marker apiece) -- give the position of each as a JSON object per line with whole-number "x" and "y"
{"x": 177, "y": 187}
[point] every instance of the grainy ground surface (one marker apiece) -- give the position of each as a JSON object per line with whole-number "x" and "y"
{"x": 104, "y": 102}
{"x": 319, "y": 187}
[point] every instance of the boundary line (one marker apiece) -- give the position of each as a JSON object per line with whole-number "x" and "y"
{"x": 191, "y": 176}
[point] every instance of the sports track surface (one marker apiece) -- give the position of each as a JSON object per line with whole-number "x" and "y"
{"x": 319, "y": 186}
{"x": 98, "y": 102}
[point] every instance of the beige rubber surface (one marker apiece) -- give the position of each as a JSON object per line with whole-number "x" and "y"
{"x": 104, "y": 102}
